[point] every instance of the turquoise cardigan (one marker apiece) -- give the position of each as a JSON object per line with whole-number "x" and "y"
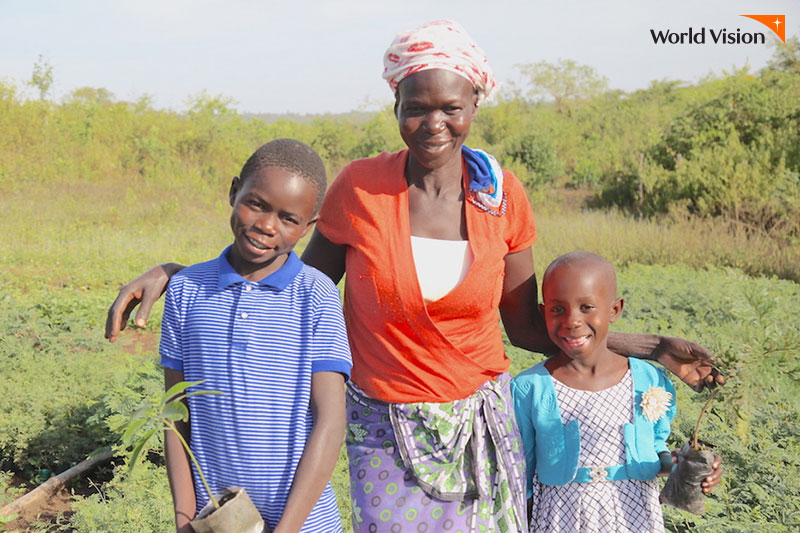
{"x": 552, "y": 448}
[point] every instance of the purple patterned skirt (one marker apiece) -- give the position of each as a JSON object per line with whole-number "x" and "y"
{"x": 427, "y": 467}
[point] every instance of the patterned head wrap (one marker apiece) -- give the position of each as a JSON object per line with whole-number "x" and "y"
{"x": 441, "y": 44}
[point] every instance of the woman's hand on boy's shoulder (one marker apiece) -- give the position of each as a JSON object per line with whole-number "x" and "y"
{"x": 692, "y": 363}
{"x": 143, "y": 291}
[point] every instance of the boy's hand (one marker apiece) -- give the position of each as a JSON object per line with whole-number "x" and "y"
{"x": 689, "y": 361}
{"x": 144, "y": 290}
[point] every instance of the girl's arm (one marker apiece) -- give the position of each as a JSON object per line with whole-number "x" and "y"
{"x": 321, "y": 451}
{"x": 179, "y": 471}
{"x": 144, "y": 290}
{"x": 525, "y": 328}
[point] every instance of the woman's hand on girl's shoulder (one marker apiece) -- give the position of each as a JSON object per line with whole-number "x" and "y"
{"x": 692, "y": 363}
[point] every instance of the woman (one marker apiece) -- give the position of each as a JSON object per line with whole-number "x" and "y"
{"x": 435, "y": 241}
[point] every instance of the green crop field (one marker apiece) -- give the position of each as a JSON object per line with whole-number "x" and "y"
{"x": 93, "y": 191}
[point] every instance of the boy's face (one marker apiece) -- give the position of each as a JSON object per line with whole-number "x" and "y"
{"x": 579, "y": 304}
{"x": 272, "y": 210}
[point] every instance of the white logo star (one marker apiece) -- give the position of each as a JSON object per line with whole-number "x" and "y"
{"x": 777, "y": 23}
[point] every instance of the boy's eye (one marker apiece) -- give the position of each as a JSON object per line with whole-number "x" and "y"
{"x": 289, "y": 219}
{"x": 556, "y": 309}
{"x": 452, "y": 110}
{"x": 587, "y": 307}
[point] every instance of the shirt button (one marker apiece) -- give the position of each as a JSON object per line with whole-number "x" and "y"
{"x": 244, "y": 315}
{"x": 248, "y": 288}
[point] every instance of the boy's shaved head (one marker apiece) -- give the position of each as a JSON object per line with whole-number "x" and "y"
{"x": 291, "y": 155}
{"x": 599, "y": 266}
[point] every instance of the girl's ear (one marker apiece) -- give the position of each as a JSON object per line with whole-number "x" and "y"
{"x": 616, "y": 309}
{"x": 236, "y": 183}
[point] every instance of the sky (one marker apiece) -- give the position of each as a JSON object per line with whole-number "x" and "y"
{"x": 326, "y": 56}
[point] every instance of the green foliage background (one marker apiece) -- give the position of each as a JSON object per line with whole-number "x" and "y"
{"x": 693, "y": 192}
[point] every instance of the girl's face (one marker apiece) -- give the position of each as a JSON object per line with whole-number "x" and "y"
{"x": 435, "y": 109}
{"x": 579, "y": 304}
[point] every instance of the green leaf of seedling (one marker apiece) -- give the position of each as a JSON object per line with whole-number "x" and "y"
{"x": 131, "y": 429}
{"x": 142, "y": 412}
{"x": 199, "y": 392}
{"x": 175, "y": 411}
{"x": 178, "y": 388}
{"x": 138, "y": 448}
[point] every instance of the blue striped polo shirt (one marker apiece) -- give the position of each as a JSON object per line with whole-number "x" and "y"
{"x": 258, "y": 343}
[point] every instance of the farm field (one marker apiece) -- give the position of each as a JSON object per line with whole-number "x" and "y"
{"x": 94, "y": 191}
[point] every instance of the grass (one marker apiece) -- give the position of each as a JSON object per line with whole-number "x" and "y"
{"x": 69, "y": 247}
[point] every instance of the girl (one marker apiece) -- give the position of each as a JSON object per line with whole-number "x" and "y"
{"x": 594, "y": 424}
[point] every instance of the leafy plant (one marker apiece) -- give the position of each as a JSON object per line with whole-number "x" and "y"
{"x": 164, "y": 412}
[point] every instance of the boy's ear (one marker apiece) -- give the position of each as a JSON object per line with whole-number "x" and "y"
{"x": 616, "y": 309}
{"x": 236, "y": 183}
{"x": 541, "y": 308}
{"x": 309, "y": 225}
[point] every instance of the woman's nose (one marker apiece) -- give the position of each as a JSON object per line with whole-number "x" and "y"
{"x": 433, "y": 122}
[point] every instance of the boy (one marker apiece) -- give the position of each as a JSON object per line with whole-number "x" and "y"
{"x": 267, "y": 332}
{"x": 594, "y": 424}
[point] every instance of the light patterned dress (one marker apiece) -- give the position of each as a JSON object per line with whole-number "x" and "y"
{"x": 621, "y": 506}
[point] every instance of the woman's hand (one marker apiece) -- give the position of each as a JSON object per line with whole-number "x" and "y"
{"x": 689, "y": 361}
{"x": 144, "y": 290}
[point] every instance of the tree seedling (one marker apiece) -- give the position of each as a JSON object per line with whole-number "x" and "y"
{"x": 683, "y": 490}
{"x": 165, "y": 410}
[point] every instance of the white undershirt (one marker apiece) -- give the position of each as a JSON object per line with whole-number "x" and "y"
{"x": 441, "y": 265}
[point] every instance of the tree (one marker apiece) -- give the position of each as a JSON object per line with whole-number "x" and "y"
{"x": 42, "y": 77}
{"x": 786, "y": 56}
{"x": 564, "y": 82}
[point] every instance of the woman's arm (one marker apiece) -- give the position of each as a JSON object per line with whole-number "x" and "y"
{"x": 525, "y": 328}
{"x": 179, "y": 471}
{"x": 519, "y": 305}
{"x": 325, "y": 256}
{"x": 321, "y": 451}
{"x": 144, "y": 290}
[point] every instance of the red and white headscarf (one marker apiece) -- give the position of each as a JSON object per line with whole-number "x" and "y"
{"x": 441, "y": 44}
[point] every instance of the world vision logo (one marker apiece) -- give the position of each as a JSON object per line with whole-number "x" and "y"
{"x": 703, "y": 35}
{"x": 776, "y": 23}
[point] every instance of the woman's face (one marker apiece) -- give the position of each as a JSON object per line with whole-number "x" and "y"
{"x": 435, "y": 109}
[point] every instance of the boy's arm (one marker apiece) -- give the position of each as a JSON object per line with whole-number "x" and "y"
{"x": 321, "y": 451}
{"x": 179, "y": 470}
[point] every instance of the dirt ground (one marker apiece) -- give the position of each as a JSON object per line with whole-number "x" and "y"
{"x": 54, "y": 513}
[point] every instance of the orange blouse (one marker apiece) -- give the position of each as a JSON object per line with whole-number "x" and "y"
{"x": 404, "y": 350}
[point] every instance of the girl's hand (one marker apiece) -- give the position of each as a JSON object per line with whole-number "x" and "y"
{"x": 144, "y": 290}
{"x": 713, "y": 479}
{"x": 689, "y": 361}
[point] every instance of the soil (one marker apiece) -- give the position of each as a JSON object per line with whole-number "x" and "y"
{"x": 55, "y": 512}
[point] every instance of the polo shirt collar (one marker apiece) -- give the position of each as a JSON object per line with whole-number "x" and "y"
{"x": 279, "y": 279}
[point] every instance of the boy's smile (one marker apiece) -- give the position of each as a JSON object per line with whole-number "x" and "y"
{"x": 272, "y": 209}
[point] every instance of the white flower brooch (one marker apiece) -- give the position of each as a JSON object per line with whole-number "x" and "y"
{"x": 655, "y": 402}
